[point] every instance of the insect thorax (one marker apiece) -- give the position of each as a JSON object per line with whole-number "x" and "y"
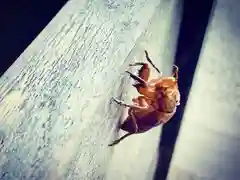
{"x": 168, "y": 100}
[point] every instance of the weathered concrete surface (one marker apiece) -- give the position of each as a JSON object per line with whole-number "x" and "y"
{"x": 209, "y": 142}
{"x": 135, "y": 157}
{"x": 56, "y": 118}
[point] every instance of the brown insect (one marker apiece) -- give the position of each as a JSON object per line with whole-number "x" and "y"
{"x": 157, "y": 103}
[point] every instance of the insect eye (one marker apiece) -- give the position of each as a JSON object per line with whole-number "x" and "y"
{"x": 177, "y": 102}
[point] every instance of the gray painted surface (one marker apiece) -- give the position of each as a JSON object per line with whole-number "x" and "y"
{"x": 56, "y": 118}
{"x": 208, "y": 146}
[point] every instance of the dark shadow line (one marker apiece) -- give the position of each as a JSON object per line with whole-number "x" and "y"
{"x": 21, "y": 22}
{"x": 195, "y": 18}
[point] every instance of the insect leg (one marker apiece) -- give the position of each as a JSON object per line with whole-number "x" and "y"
{"x": 120, "y": 139}
{"x": 144, "y": 71}
{"x": 121, "y": 103}
{"x": 137, "y": 64}
{"x": 150, "y": 61}
{"x": 142, "y": 100}
{"x": 134, "y": 119}
{"x": 137, "y": 78}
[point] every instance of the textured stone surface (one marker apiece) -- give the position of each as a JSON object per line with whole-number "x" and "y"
{"x": 56, "y": 118}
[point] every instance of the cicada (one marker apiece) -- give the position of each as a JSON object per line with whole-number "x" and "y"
{"x": 157, "y": 102}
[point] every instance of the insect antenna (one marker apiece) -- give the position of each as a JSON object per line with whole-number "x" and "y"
{"x": 150, "y": 61}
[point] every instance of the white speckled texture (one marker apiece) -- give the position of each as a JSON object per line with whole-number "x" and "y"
{"x": 56, "y": 118}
